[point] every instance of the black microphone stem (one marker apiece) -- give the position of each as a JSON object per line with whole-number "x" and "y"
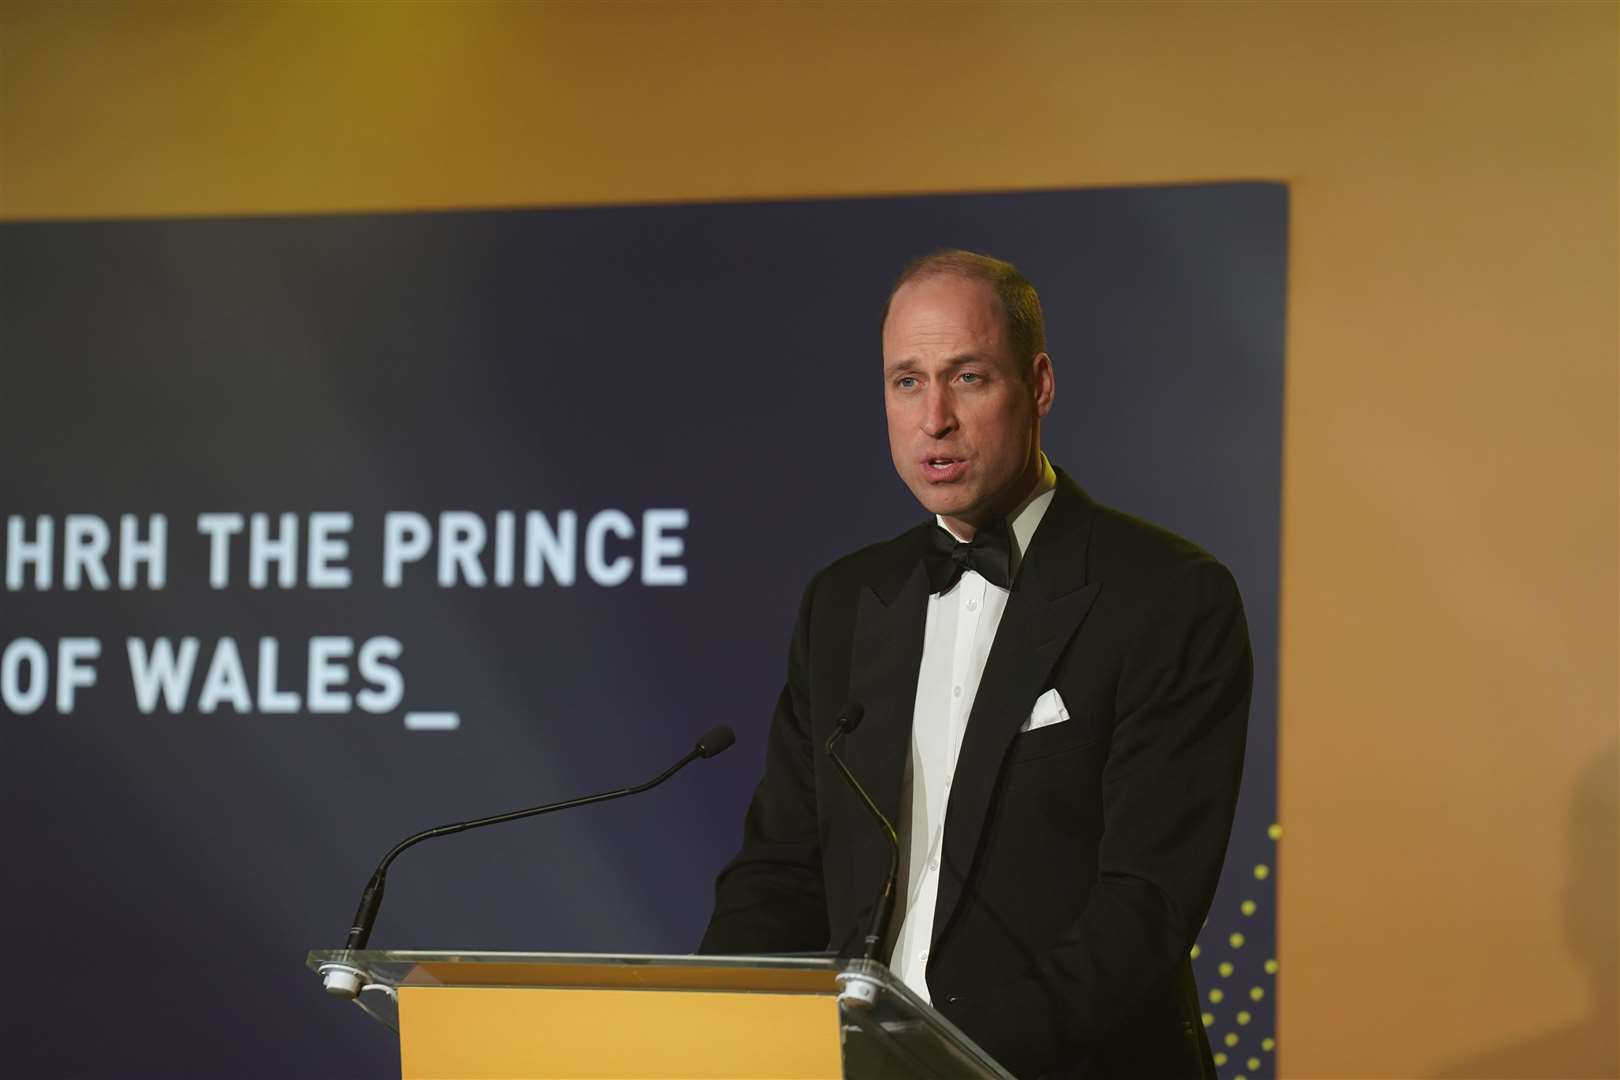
{"x": 371, "y": 899}
{"x": 880, "y": 917}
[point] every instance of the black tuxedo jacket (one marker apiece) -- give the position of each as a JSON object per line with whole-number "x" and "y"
{"x": 1080, "y": 858}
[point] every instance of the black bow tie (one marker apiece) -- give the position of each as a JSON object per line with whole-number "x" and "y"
{"x": 988, "y": 554}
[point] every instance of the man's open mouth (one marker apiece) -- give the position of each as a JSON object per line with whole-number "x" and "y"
{"x": 943, "y": 468}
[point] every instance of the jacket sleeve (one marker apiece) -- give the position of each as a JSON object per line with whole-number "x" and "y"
{"x": 1169, "y": 791}
{"x": 771, "y": 896}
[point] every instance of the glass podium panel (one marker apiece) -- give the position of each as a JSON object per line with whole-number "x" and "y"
{"x": 893, "y": 1035}
{"x": 898, "y": 1035}
{"x": 385, "y": 970}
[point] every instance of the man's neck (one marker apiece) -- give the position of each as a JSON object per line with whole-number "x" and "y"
{"x": 1039, "y": 477}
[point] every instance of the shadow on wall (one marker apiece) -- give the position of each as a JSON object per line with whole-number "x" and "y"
{"x": 1590, "y": 1047}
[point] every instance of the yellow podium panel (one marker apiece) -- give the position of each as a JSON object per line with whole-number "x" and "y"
{"x": 507, "y": 1033}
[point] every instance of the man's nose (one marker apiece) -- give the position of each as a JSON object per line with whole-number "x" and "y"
{"x": 939, "y": 418}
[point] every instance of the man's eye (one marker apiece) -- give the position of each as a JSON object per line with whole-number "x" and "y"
{"x": 971, "y": 377}
{"x": 905, "y": 382}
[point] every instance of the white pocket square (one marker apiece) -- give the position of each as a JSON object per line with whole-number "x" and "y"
{"x": 1048, "y": 710}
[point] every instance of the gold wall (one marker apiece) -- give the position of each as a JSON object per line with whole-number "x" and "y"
{"x": 1449, "y": 624}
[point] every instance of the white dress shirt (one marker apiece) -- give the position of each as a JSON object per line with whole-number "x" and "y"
{"x": 961, "y": 627}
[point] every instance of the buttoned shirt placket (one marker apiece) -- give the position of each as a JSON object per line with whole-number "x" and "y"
{"x": 960, "y": 628}
{"x": 967, "y": 616}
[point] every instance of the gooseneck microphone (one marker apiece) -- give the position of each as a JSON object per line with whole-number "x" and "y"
{"x": 713, "y": 742}
{"x": 849, "y": 718}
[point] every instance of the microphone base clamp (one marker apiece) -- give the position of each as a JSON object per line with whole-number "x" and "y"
{"x": 858, "y": 984}
{"x": 342, "y": 980}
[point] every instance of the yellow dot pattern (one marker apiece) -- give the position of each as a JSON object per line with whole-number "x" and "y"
{"x": 1223, "y": 954}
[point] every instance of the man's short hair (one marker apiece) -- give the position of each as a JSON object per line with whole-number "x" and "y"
{"x": 1021, "y": 306}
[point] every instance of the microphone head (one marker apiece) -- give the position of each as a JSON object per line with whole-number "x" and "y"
{"x": 849, "y": 717}
{"x": 716, "y": 740}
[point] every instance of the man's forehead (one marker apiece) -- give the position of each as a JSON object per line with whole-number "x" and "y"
{"x": 943, "y": 309}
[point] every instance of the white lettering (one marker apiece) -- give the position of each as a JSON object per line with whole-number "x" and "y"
{"x": 264, "y": 549}
{"x": 543, "y": 548}
{"x": 85, "y": 539}
{"x": 153, "y": 551}
{"x": 271, "y": 699}
{"x": 161, "y": 672}
{"x": 597, "y": 565}
{"x": 71, "y": 673}
{"x": 406, "y": 538}
{"x": 24, "y": 651}
{"x": 219, "y": 528}
{"x": 375, "y": 668}
{"x": 505, "y": 522}
{"x": 656, "y": 547}
{"x": 327, "y": 548}
{"x": 324, "y": 674}
{"x": 21, "y": 551}
{"x": 226, "y": 681}
{"x": 461, "y": 539}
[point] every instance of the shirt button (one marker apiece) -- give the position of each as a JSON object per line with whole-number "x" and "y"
{"x": 934, "y": 865}
{"x": 923, "y": 956}
{"x": 973, "y": 605}
{"x": 956, "y": 691}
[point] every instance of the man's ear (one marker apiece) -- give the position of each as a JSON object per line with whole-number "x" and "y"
{"x": 1043, "y": 382}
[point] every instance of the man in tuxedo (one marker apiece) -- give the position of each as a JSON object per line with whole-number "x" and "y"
{"x": 1055, "y": 699}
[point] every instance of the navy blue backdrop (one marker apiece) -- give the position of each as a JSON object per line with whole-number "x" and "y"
{"x": 167, "y": 869}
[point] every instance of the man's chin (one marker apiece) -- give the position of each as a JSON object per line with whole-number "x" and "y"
{"x": 942, "y": 501}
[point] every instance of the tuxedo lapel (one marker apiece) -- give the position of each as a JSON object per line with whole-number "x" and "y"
{"x": 1050, "y": 599}
{"x": 884, "y": 658}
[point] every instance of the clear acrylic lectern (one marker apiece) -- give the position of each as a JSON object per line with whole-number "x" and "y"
{"x": 536, "y": 1016}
